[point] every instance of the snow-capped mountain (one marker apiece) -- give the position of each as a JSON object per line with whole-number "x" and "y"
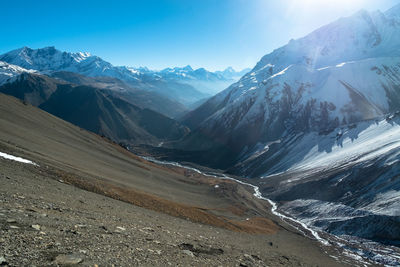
{"x": 344, "y": 72}
{"x": 205, "y": 81}
{"x": 9, "y": 71}
{"x": 183, "y": 84}
{"x": 49, "y": 59}
{"x": 230, "y": 73}
{"x": 202, "y": 74}
{"x": 190, "y": 74}
{"x": 315, "y": 124}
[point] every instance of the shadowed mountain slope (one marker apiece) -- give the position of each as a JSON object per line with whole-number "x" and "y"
{"x": 96, "y": 110}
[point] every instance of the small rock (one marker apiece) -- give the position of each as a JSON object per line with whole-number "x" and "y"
{"x": 248, "y": 257}
{"x": 14, "y": 227}
{"x": 188, "y": 252}
{"x": 68, "y": 259}
{"x": 3, "y": 261}
{"x": 11, "y": 221}
{"x": 36, "y": 227}
{"x": 120, "y": 228}
{"x": 30, "y": 210}
{"x": 256, "y": 257}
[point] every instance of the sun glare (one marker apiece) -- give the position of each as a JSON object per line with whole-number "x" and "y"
{"x": 311, "y": 7}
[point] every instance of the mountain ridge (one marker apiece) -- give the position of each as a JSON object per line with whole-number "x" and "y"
{"x": 183, "y": 84}
{"x": 289, "y": 91}
{"x": 95, "y": 109}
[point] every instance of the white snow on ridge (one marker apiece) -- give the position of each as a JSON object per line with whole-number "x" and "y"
{"x": 361, "y": 143}
{"x": 352, "y": 144}
{"x": 387, "y": 203}
{"x": 9, "y": 71}
{"x": 280, "y": 73}
{"x": 11, "y": 157}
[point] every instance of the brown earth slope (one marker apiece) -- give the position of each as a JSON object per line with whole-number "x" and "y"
{"x": 70, "y": 205}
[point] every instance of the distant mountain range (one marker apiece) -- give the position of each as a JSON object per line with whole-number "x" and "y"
{"x": 184, "y": 85}
{"x": 128, "y": 105}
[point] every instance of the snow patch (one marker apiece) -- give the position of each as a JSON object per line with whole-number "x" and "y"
{"x": 22, "y": 160}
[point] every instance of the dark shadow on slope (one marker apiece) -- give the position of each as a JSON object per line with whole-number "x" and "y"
{"x": 380, "y": 228}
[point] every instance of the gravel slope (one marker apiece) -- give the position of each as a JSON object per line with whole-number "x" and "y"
{"x": 76, "y": 207}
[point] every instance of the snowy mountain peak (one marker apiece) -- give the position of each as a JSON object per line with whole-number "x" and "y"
{"x": 50, "y": 59}
{"x": 344, "y": 72}
{"x": 187, "y": 68}
{"x": 361, "y": 36}
{"x": 231, "y": 73}
{"x": 8, "y": 72}
{"x": 80, "y": 56}
{"x": 229, "y": 69}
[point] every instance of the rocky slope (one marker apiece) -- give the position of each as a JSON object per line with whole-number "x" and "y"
{"x": 141, "y": 98}
{"x": 74, "y": 207}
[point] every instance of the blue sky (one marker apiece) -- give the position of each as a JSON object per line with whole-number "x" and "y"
{"x": 203, "y": 33}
